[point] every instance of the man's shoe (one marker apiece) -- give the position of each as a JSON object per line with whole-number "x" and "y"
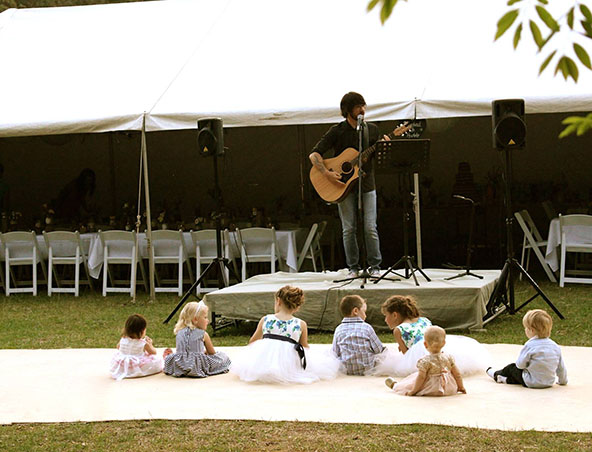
{"x": 375, "y": 272}
{"x": 352, "y": 274}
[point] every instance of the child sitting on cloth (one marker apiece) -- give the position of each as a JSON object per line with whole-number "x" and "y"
{"x": 355, "y": 342}
{"x": 540, "y": 360}
{"x": 437, "y": 375}
{"x": 278, "y": 351}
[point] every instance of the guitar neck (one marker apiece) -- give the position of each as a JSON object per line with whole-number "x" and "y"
{"x": 368, "y": 152}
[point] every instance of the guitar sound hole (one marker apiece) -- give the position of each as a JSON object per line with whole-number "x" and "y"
{"x": 346, "y": 168}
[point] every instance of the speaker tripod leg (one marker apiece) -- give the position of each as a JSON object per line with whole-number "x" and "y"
{"x": 539, "y": 292}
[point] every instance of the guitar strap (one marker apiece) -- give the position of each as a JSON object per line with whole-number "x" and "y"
{"x": 365, "y": 139}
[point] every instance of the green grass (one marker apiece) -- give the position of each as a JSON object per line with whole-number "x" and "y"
{"x": 93, "y": 321}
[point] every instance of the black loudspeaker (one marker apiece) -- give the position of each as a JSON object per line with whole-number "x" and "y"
{"x": 210, "y": 136}
{"x": 509, "y": 130}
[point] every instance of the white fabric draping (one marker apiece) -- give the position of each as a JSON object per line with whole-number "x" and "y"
{"x": 102, "y": 67}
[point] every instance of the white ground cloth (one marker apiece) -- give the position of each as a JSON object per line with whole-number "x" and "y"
{"x": 37, "y": 386}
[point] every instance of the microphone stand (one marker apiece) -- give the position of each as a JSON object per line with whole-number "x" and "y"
{"x": 364, "y": 275}
{"x": 467, "y": 267}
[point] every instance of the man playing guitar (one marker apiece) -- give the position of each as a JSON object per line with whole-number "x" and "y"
{"x": 339, "y": 138}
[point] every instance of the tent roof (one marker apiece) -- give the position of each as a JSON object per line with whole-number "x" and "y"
{"x": 262, "y": 62}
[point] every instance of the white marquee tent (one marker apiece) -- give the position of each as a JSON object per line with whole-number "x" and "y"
{"x": 161, "y": 65}
{"x": 262, "y": 62}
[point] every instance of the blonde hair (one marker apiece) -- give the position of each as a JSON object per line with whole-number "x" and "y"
{"x": 435, "y": 337}
{"x": 291, "y": 297}
{"x": 406, "y": 306}
{"x": 349, "y": 302}
{"x": 189, "y": 312}
{"x": 538, "y": 321}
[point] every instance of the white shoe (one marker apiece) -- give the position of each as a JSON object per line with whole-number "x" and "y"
{"x": 390, "y": 382}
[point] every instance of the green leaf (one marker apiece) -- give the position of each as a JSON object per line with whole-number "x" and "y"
{"x": 561, "y": 66}
{"x": 505, "y": 22}
{"x": 571, "y": 120}
{"x": 536, "y": 34}
{"x": 582, "y": 55}
{"x": 547, "y": 61}
{"x": 517, "y": 34}
{"x": 570, "y": 18}
{"x": 588, "y": 28}
{"x": 511, "y": 2}
{"x": 544, "y": 2}
{"x": 586, "y": 12}
{"x": 572, "y": 68}
{"x": 371, "y": 5}
{"x": 583, "y": 127}
{"x": 387, "y": 9}
{"x": 568, "y": 130}
{"x": 547, "y": 18}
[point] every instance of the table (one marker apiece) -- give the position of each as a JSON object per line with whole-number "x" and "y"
{"x": 288, "y": 242}
{"x": 574, "y": 235}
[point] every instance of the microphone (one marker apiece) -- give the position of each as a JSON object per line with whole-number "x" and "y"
{"x": 360, "y": 121}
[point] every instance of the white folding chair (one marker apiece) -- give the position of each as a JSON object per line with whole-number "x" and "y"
{"x": 204, "y": 243}
{"x": 120, "y": 247}
{"x": 532, "y": 241}
{"x": 307, "y": 252}
{"x": 20, "y": 248}
{"x": 168, "y": 247}
{"x": 65, "y": 248}
{"x": 576, "y": 237}
{"x": 258, "y": 245}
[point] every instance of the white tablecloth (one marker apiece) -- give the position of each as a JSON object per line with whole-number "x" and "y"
{"x": 288, "y": 241}
{"x": 574, "y": 235}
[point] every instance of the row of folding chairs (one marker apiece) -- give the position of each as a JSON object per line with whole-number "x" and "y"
{"x": 256, "y": 245}
{"x": 534, "y": 242}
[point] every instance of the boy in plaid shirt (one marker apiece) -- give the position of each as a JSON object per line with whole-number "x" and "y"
{"x": 354, "y": 342}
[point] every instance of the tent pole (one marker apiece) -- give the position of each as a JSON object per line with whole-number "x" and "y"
{"x": 148, "y": 215}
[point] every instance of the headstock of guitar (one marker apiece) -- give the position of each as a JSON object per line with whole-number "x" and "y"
{"x": 415, "y": 128}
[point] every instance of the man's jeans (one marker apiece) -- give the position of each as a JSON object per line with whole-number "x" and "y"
{"x": 348, "y": 211}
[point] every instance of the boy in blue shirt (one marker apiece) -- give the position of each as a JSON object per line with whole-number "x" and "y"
{"x": 540, "y": 361}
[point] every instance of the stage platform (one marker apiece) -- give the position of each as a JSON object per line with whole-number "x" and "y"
{"x": 458, "y": 304}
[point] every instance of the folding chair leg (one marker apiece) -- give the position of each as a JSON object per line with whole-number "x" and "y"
{"x": 50, "y": 276}
{"x": 180, "y": 284}
{"x": 77, "y": 278}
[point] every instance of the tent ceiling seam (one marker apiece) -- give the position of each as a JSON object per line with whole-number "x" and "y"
{"x": 196, "y": 48}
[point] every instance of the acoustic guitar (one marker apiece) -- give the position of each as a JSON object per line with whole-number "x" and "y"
{"x": 346, "y": 164}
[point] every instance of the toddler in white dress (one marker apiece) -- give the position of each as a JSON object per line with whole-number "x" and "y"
{"x": 135, "y": 356}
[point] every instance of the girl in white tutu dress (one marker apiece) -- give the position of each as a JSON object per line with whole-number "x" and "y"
{"x": 135, "y": 356}
{"x": 437, "y": 375}
{"x": 402, "y": 315}
{"x": 278, "y": 350}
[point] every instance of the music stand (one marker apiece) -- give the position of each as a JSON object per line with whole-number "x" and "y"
{"x": 404, "y": 156}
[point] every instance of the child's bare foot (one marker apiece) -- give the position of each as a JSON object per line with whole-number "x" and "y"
{"x": 166, "y": 352}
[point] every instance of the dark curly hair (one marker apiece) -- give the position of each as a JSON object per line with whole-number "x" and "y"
{"x": 291, "y": 297}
